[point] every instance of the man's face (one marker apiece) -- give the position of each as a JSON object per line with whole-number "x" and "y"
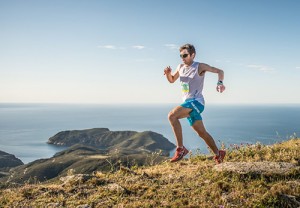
{"x": 186, "y": 57}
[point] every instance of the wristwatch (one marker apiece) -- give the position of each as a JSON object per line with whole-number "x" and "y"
{"x": 220, "y": 82}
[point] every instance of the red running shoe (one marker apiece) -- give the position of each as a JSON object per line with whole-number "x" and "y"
{"x": 179, "y": 154}
{"x": 219, "y": 158}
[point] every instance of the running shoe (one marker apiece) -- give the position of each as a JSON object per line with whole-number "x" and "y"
{"x": 179, "y": 154}
{"x": 219, "y": 158}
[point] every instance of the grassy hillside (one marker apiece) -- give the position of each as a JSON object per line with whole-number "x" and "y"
{"x": 192, "y": 182}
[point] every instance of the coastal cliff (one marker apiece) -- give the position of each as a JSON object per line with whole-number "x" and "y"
{"x": 8, "y": 161}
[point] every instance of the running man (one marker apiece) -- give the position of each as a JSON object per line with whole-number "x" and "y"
{"x": 191, "y": 76}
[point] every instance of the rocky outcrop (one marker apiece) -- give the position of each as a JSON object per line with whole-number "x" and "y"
{"x": 103, "y": 138}
{"x": 263, "y": 168}
{"x": 7, "y": 160}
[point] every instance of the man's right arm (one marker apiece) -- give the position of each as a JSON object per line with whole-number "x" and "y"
{"x": 171, "y": 78}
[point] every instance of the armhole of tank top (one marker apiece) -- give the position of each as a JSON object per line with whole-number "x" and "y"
{"x": 199, "y": 69}
{"x": 198, "y": 65}
{"x": 179, "y": 67}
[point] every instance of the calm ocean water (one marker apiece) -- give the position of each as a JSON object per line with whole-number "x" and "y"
{"x": 25, "y": 128}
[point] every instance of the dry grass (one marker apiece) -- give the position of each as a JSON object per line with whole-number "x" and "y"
{"x": 189, "y": 183}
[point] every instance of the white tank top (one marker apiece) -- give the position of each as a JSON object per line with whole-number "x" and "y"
{"x": 191, "y": 82}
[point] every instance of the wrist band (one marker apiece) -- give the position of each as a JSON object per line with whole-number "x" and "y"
{"x": 220, "y": 82}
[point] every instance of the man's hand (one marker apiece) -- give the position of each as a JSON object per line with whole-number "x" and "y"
{"x": 220, "y": 88}
{"x": 167, "y": 70}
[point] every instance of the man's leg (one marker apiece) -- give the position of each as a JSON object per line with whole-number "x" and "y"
{"x": 201, "y": 131}
{"x": 174, "y": 116}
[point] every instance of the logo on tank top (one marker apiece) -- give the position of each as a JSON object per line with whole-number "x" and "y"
{"x": 185, "y": 87}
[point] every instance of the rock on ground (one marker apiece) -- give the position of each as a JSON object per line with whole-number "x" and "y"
{"x": 256, "y": 167}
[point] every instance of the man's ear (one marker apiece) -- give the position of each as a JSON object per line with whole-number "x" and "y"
{"x": 193, "y": 55}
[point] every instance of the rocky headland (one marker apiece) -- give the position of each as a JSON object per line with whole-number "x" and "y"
{"x": 103, "y": 138}
{"x": 92, "y": 150}
{"x": 8, "y": 161}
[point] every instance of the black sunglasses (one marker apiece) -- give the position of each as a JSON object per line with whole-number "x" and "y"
{"x": 184, "y": 55}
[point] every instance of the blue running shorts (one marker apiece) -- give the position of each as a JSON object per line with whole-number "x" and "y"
{"x": 197, "y": 109}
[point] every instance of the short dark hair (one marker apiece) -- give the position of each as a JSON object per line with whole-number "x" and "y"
{"x": 189, "y": 47}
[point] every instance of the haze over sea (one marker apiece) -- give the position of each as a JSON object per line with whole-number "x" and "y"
{"x": 25, "y": 128}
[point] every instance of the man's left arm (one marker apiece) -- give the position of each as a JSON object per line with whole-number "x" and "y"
{"x": 205, "y": 67}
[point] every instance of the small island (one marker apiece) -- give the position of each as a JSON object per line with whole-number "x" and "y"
{"x": 103, "y": 138}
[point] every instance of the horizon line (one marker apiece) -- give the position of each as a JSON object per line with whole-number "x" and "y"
{"x": 142, "y": 103}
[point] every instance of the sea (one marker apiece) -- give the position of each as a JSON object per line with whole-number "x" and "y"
{"x": 26, "y": 128}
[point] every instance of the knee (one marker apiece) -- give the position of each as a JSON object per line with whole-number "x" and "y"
{"x": 172, "y": 117}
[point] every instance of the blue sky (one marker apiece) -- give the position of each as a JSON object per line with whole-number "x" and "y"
{"x": 77, "y": 51}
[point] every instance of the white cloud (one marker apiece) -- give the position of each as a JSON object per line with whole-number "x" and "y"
{"x": 138, "y": 47}
{"x": 260, "y": 67}
{"x": 108, "y": 47}
{"x": 172, "y": 46}
{"x": 111, "y": 47}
